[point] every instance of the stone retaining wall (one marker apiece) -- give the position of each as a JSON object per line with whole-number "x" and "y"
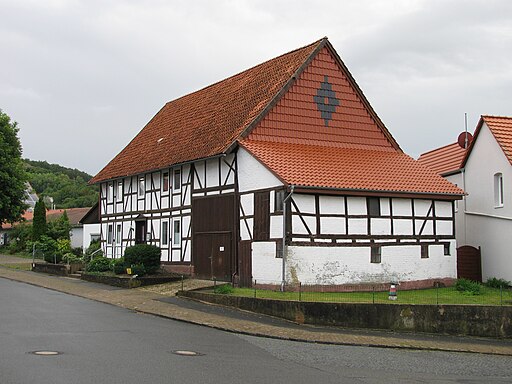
{"x": 470, "y": 320}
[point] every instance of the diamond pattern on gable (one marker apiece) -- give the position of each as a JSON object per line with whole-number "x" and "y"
{"x": 326, "y": 100}
{"x": 323, "y": 95}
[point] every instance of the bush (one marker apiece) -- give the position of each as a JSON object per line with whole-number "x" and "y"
{"x": 99, "y": 264}
{"x": 77, "y": 251}
{"x": 143, "y": 254}
{"x": 224, "y": 289}
{"x": 63, "y": 246}
{"x": 494, "y": 282}
{"x": 70, "y": 258}
{"x": 48, "y": 247}
{"x": 118, "y": 266}
{"x": 138, "y": 269}
{"x": 468, "y": 287}
{"x": 93, "y": 247}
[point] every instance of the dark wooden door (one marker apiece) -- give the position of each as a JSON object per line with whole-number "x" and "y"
{"x": 469, "y": 263}
{"x": 245, "y": 263}
{"x": 140, "y": 232}
{"x": 214, "y": 256}
{"x": 213, "y": 229}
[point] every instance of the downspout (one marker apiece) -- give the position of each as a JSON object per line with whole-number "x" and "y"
{"x": 284, "y": 249}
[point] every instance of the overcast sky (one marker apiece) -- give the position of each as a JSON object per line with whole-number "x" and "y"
{"x": 81, "y": 78}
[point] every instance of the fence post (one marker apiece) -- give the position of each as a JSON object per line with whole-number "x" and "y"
{"x": 182, "y": 283}
{"x": 501, "y": 294}
{"x": 255, "y": 288}
{"x": 300, "y": 291}
{"x": 214, "y": 282}
{"x": 373, "y": 294}
{"x": 437, "y": 292}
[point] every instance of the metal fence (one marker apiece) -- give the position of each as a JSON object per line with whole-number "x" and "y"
{"x": 378, "y": 293}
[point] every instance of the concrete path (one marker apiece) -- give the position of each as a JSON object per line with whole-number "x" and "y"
{"x": 151, "y": 300}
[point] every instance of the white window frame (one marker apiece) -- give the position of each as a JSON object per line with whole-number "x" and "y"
{"x": 176, "y": 232}
{"x": 119, "y": 233}
{"x": 119, "y": 196}
{"x": 498, "y": 190}
{"x": 165, "y": 186}
{"x": 110, "y": 233}
{"x": 141, "y": 186}
{"x": 176, "y": 182}
{"x": 110, "y": 192}
{"x": 165, "y": 233}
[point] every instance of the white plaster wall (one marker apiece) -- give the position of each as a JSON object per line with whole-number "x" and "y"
{"x": 492, "y": 235}
{"x": 460, "y": 232}
{"x": 333, "y": 225}
{"x": 88, "y": 230}
{"x": 266, "y": 268}
{"x": 421, "y": 207}
{"x": 305, "y": 203}
{"x": 402, "y": 207}
{"x": 351, "y": 265}
{"x": 252, "y": 175}
{"x": 247, "y": 203}
{"x": 356, "y": 206}
{"x": 380, "y": 226}
{"x": 276, "y": 227}
{"x": 332, "y": 205}
{"x": 212, "y": 173}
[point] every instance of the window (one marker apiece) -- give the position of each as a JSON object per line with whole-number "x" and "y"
{"x": 498, "y": 190}
{"x": 119, "y": 229}
{"x": 110, "y": 233}
{"x": 177, "y": 179}
{"x": 176, "y": 240}
{"x": 424, "y": 251}
{"x": 165, "y": 181}
{"x": 165, "y": 233}
{"x": 447, "y": 249}
{"x": 142, "y": 187}
{"x": 119, "y": 191}
{"x": 376, "y": 254}
{"x": 110, "y": 192}
{"x": 373, "y": 204}
{"x": 278, "y": 201}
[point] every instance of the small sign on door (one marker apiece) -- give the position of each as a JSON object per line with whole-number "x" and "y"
{"x": 221, "y": 249}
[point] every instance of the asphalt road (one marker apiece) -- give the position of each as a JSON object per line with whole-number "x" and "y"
{"x": 99, "y": 343}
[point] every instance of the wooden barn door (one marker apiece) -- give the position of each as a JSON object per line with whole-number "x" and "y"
{"x": 245, "y": 263}
{"x": 469, "y": 263}
{"x": 213, "y": 236}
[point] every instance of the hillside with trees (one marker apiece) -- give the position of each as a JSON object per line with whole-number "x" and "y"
{"x": 68, "y": 187}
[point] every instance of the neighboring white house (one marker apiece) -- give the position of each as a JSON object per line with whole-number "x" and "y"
{"x": 484, "y": 218}
{"x": 281, "y": 173}
{"x": 91, "y": 226}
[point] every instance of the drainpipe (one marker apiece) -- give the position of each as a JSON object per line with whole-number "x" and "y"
{"x": 283, "y": 271}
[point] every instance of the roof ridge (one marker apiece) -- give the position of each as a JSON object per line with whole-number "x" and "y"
{"x": 437, "y": 149}
{"x": 247, "y": 70}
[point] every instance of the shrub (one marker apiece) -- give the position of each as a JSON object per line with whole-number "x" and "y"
{"x": 118, "y": 266}
{"x": 494, "y": 282}
{"x": 63, "y": 246}
{"x": 48, "y": 247}
{"x": 224, "y": 289}
{"x": 138, "y": 269}
{"x": 93, "y": 247}
{"x": 468, "y": 287}
{"x": 98, "y": 264}
{"x": 70, "y": 258}
{"x": 77, "y": 251}
{"x": 143, "y": 254}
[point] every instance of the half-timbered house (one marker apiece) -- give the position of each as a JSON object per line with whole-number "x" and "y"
{"x": 281, "y": 173}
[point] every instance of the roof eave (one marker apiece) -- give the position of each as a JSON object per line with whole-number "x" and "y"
{"x": 376, "y": 192}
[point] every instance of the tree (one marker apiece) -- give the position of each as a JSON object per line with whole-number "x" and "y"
{"x": 12, "y": 173}
{"x": 39, "y": 227}
{"x": 60, "y": 228}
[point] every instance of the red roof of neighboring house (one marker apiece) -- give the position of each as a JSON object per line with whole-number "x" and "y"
{"x": 445, "y": 159}
{"x": 349, "y": 169}
{"x": 501, "y": 129}
{"x": 74, "y": 215}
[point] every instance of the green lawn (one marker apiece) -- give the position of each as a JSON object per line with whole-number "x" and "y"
{"x": 488, "y": 296}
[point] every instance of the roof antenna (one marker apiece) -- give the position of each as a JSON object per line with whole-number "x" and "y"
{"x": 466, "y": 139}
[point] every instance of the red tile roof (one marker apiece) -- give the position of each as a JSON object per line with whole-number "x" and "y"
{"x": 349, "y": 169}
{"x": 211, "y": 121}
{"x": 207, "y": 122}
{"x": 444, "y": 160}
{"x": 501, "y": 129}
